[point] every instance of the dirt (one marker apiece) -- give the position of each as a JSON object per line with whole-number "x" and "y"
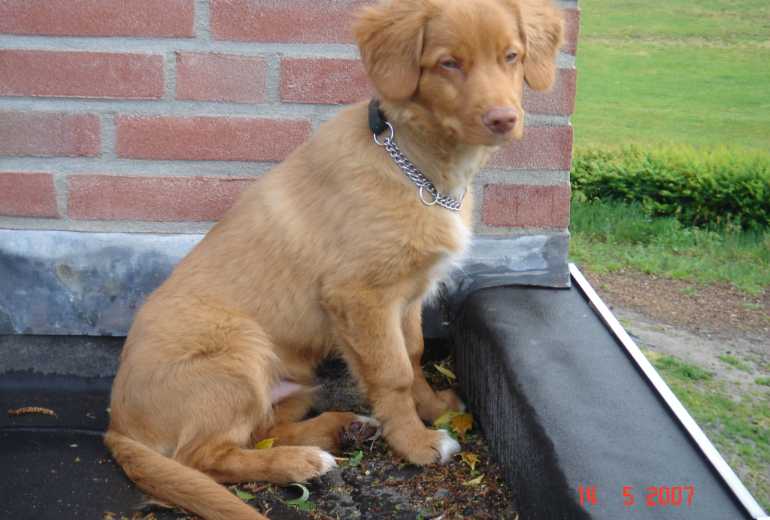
{"x": 381, "y": 486}
{"x": 695, "y": 323}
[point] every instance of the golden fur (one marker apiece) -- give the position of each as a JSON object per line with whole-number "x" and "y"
{"x": 330, "y": 252}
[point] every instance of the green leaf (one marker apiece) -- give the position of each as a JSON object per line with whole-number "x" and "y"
{"x": 355, "y": 459}
{"x": 302, "y": 499}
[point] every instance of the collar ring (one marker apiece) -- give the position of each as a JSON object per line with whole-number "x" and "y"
{"x": 387, "y": 139}
{"x": 422, "y": 196}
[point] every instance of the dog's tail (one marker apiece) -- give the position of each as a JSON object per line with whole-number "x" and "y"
{"x": 175, "y": 483}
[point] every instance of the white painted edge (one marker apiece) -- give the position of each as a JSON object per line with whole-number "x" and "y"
{"x": 680, "y": 412}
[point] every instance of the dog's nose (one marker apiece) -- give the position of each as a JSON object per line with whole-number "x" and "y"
{"x": 500, "y": 120}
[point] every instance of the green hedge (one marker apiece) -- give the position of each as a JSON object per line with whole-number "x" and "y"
{"x": 709, "y": 188}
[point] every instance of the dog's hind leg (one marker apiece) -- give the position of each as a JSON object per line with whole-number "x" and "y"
{"x": 327, "y": 431}
{"x": 227, "y": 462}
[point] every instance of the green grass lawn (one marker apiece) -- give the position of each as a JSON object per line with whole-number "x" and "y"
{"x": 653, "y": 71}
{"x": 612, "y": 236}
{"x": 739, "y": 425}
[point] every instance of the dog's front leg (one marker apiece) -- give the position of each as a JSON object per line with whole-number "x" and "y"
{"x": 369, "y": 323}
{"x": 430, "y": 405}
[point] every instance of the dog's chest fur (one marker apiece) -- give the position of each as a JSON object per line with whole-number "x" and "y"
{"x": 452, "y": 258}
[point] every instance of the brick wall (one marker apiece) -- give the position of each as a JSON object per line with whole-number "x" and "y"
{"x": 152, "y": 115}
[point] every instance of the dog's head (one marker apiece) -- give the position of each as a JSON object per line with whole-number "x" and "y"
{"x": 464, "y": 62}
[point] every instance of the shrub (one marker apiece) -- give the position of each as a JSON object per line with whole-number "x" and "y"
{"x": 708, "y": 188}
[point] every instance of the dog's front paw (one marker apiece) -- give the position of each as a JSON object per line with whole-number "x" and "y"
{"x": 431, "y": 447}
{"x": 306, "y": 463}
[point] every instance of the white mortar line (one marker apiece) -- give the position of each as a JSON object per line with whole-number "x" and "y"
{"x": 523, "y": 177}
{"x": 202, "y": 21}
{"x": 166, "y": 107}
{"x": 107, "y": 123}
{"x": 273, "y": 78}
{"x": 135, "y": 167}
{"x": 169, "y": 76}
{"x": 62, "y": 193}
{"x": 163, "y": 45}
{"x": 117, "y": 226}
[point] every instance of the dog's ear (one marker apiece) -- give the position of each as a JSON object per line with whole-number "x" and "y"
{"x": 390, "y": 37}
{"x": 543, "y": 28}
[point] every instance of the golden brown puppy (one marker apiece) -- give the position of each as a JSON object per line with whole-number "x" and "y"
{"x": 332, "y": 251}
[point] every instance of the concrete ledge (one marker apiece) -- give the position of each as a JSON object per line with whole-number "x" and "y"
{"x": 563, "y": 406}
{"x": 75, "y": 283}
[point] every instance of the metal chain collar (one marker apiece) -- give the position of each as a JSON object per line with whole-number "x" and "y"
{"x": 416, "y": 176}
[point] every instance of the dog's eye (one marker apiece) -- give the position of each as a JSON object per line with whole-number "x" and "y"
{"x": 450, "y": 64}
{"x": 511, "y": 57}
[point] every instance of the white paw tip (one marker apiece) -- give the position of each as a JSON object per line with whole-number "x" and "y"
{"x": 463, "y": 408}
{"x": 447, "y": 446}
{"x": 328, "y": 462}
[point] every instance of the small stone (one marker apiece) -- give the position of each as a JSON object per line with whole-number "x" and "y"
{"x": 441, "y": 493}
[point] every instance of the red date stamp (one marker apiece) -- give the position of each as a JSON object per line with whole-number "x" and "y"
{"x": 650, "y": 496}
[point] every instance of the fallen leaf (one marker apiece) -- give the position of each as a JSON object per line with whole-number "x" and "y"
{"x": 471, "y": 459}
{"x": 355, "y": 459}
{"x": 474, "y": 482}
{"x": 444, "y": 371}
{"x": 302, "y": 499}
{"x": 32, "y": 410}
{"x": 265, "y": 444}
{"x": 445, "y": 419}
{"x": 461, "y": 424}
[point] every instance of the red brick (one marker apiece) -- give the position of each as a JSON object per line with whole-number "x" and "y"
{"x": 220, "y": 77}
{"x": 541, "y": 148}
{"x": 43, "y": 134}
{"x": 303, "y": 21}
{"x": 102, "y": 197}
{"x": 154, "y": 18}
{"x": 560, "y": 100}
{"x": 526, "y": 206}
{"x": 319, "y": 80}
{"x": 80, "y": 74}
{"x": 209, "y": 138}
{"x": 27, "y": 195}
{"x": 571, "y": 30}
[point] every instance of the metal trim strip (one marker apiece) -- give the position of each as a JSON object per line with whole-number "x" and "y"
{"x": 724, "y": 470}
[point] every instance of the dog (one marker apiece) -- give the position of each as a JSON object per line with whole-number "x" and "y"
{"x": 331, "y": 252}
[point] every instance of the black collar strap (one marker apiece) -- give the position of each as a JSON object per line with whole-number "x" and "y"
{"x": 377, "y": 121}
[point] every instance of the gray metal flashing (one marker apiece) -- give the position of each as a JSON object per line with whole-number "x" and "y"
{"x": 80, "y": 283}
{"x": 680, "y": 412}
